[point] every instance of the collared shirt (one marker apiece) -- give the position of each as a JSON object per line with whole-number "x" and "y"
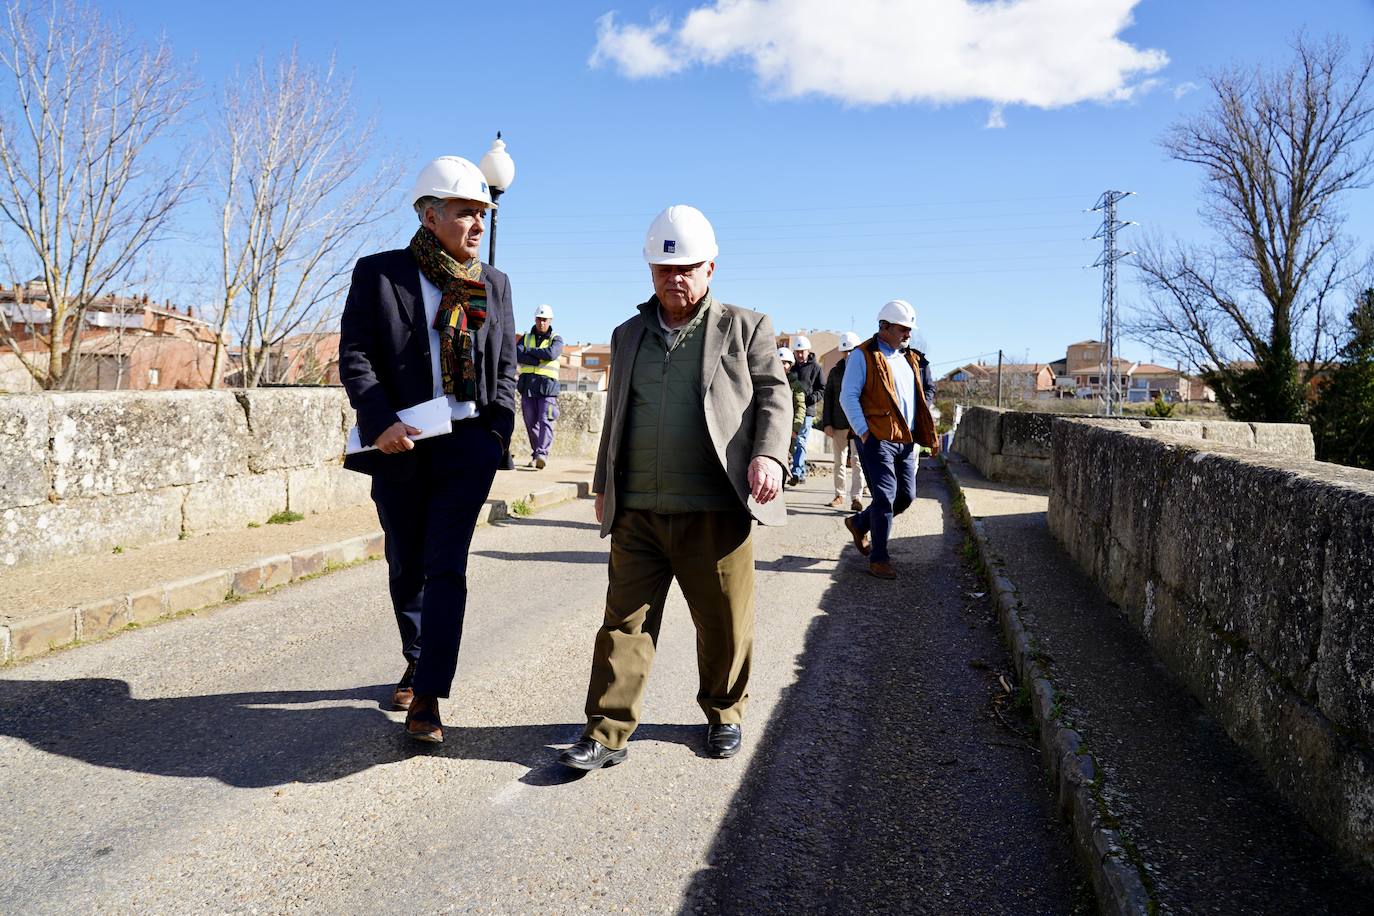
{"x": 460, "y": 410}
{"x": 856, "y": 373}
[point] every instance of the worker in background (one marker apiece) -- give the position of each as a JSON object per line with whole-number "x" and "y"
{"x": 836, "y": 426}
{"x": 789, "y": 363}
{"x": 808, "y": 372}
{"x": 537, "y": 353}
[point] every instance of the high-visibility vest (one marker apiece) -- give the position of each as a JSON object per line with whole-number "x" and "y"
{"x": 548, "y": 368}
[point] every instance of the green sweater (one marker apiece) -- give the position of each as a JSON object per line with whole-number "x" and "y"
{"x": 668, "y": 461}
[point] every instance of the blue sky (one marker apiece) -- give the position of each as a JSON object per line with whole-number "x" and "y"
{"x": 826, "y": 205}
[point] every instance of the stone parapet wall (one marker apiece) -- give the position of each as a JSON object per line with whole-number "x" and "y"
{"x": 87, "y": 472}
{"x": 1017, "y": 446}
{"x": 1252, "y": 576}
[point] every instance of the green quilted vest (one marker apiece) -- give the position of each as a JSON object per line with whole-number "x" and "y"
{"x": 669, "y": 463}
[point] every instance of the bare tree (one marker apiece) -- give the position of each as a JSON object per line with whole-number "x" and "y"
{"x": 81, "y": 107}
{"x": 299, "y": 187}
{"x": 1280, "y": 151}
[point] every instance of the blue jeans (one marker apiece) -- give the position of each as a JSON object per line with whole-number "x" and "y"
{"x": 799, "y": 450}
{"x": 890, "y": 468}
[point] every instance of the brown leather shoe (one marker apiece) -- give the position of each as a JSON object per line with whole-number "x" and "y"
{"x": 422, "y": 721}
{"x": 882, "y": 571}
{"x": 403, "y": 694}
{"x": 856, "y": 506}
{"x": 837, "y": 502}
{"x": 860, "y": 540}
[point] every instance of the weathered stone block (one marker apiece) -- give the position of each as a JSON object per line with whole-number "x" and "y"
{"x": 101, "y": 617}
{"x": 276, "y": 571}
{"x": 577, "y": 433}
{"x": 349, "y": 551}
{"x": 30, "y": 636}
{"x": 1027, "y": 434}
{"x": 113, "y": 442}
{"x": 48, "y": 531}
{"x": 322, "y": 489}
{"x": 4, "y": 643}
{"x": 1244, "y": 542}
{"x": 1345, "y": 658}
{"x": 307, "y": 563}
{"x": 292, "y": 427}
{"x": 264, "y": 574}
{"x": 147, "y": 605}
{"x": 1291, "y": 439}
{"x": 234, "y": 502}
{"x": 1187, "y": 429}
{"x": 23, "y": 450}
{"x": 1240, "y": 435}
{"x": 195, "y": 592}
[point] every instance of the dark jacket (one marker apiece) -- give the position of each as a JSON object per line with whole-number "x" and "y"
{"x": 384, "y": 358}
{"x": 538, "y": 386}
{"x": 832, "y": 414}
{"x": 809, "y": 373}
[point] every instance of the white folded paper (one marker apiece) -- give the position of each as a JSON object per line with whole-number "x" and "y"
{"x": 432, "y": 418}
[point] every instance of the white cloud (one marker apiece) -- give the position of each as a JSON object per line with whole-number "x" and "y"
{"x": 1183, "y": 89}
{"x": 1041, "y": 53}
{"x": 995, "y": 120}
{"x": 636, "y": 50}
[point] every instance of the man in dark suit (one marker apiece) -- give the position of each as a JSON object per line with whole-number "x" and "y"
{"x": 423, "y": 322}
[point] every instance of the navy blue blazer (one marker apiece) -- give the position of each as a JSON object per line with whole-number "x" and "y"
{"x": 384, "y": 358}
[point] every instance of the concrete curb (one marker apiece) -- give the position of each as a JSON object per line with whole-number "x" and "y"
{"x": 107, "y": 617}
{"x": 1117, "y": 880}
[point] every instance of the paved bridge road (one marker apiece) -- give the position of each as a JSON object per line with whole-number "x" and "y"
{"x": 239, "y": 761}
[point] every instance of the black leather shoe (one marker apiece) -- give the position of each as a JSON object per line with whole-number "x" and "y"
{"x": 722, "y": 740}
{"x": 589, "y": 754}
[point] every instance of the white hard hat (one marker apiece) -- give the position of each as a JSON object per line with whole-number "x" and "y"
{"x": 848, "y": 341}
{"x": 785, "y": 354}
{"x": 544, "y": 311}
{"x": 452, "y": 177}
{"x": 801, "y": 342}
{"x": 680, "y": 235}
{"x": 898, "y": 311}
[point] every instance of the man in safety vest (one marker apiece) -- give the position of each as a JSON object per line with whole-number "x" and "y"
{"x": 889, "y": 397}
{"x": 537, "y": 353}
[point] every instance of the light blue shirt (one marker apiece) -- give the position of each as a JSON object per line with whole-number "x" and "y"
{"x": 856, "y": 373}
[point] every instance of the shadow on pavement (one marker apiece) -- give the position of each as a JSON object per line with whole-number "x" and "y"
{"x": 882, "y": 783}
{"x": 265, "y": 738}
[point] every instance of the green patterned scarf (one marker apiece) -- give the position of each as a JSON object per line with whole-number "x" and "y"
{"x": 462, "y": 311}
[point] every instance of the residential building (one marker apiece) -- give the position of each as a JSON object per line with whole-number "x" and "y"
{"x": 127, "y": 342}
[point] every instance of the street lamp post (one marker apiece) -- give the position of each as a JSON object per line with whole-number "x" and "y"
{"x": 499, "y": 170}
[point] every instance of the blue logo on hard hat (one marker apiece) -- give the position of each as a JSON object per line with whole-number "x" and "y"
{"x": 669, "y": 246}
{"x": 484, "y": 187}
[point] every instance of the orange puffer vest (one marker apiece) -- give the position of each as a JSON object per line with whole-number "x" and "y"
{"x": 879, "y": 401}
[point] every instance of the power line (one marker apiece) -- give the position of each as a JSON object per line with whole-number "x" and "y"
{"x": 821, "y": 224}
{"x": 812, "y": 237}
{"x": 904, "y": 206}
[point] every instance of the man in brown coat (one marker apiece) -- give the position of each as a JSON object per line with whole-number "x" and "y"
{"x": 692, "y": 453}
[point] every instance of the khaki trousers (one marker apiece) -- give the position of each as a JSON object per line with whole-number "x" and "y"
{"x": 846, "y": 459}
{"x": 711, "y": 554}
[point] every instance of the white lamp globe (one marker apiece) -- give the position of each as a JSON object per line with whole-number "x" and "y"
{"x": 497, "y": 166}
